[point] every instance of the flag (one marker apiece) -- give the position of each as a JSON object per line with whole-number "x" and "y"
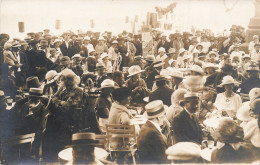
{"x": 21, "y": 27}
{"x": 57, "y": 24}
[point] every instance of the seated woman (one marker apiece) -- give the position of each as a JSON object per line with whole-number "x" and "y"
{"x": 228, "y": 101}
{"x": 175, "y": 108}
{"x": 103, "y": 103}
{"x": 119, "y": 114}
{"x": 135, "y": 81}
{"x": 233, "y": 150}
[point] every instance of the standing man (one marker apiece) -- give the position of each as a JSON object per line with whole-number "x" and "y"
{"x": 151, "y": 143}
{"x": 131, "y": 50}
{"x": 163, "y": 92}
{"x": 178, "y": 43}
{"x": 185, "y": 125}
{"x": 255, "y": 54}
{"x": 64, "y": 47}
{"x": 164, "y": 43}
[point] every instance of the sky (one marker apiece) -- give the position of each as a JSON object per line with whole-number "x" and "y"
{"x": 110, "y": 14}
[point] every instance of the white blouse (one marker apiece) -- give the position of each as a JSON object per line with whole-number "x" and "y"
{"x": 228, "y": 104}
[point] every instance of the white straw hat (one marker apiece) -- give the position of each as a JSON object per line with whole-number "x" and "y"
{"x": 183, "y": 151}
{"x": 228, "y": 80}
{"x": 155, "y": 109}
{"x": 108, "y": 83}
{"x": 135, "y": 69}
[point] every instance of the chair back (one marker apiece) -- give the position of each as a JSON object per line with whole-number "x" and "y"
{"x": 123, "y": 135}
{"x": 16, "y": 140}
{"x": 102, "y": 140}
{"x": 244, "y": 97}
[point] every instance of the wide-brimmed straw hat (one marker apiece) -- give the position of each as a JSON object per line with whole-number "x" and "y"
{"x": 155, "y": 109}
{"x": 133, "y": 70}
{"x": 194, "y": 83}
{"x": 161, "y": 49}
{"x": 210, "y": 65}
{"x": 228, "y": 80}
{"x": 254, "y": 94}
{"x": 166, "y": 73}
{"x": 51, "y": 76}
{"x": 176, "y": 73}
{"x": 103, "y": 55}
{"x": 150, "y": 58}
{"x": 107, "y": 83}
{"x": 183, "y": 151}
{"x": 243, "y": 112}
{"x": 178, "y": 95}
{"x": 197, "y": 68}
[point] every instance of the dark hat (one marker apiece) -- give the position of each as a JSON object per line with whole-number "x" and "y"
{"x": 227, "y": 68}
{"x": 33, "y": 42}
{"x": 86, "y": 76}
{"x": 44, "y": 43}
{"x": 3, "y": 35}
{"x": 65, "y": 60}
{"x": 120, "y": 94}
{"x": 32, "y": 82}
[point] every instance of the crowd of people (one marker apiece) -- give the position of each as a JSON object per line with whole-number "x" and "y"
{"x": 60, "y": 87}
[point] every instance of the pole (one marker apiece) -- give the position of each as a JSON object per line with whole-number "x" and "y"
{"x": 1, "y": 15}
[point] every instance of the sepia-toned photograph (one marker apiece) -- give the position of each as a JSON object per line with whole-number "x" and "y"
{"x": 129, "y": 82}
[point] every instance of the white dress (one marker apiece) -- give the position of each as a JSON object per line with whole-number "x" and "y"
{"x": 230, "y": 104}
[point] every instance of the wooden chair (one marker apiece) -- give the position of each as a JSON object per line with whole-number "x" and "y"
{"x": 102, "y": 140}
{"x": 16, "y": 140}
{"x": 244, "y": 97}
{"x": 121, "y": 138}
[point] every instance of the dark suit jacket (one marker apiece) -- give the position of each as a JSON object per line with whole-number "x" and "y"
{"x": 72, "y": 49}
{"x": 166, "y": 45}
{"x": 151, "y": 145}
{"x": 245, "y": 154}
{"x": 177, "y": 45}
{"x": 64, "y": 49}
{"x": 185, "y": 129}
{"x": 162, "y": 93}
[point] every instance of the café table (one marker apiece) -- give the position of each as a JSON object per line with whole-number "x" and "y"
{"x": 66, "y": 154}
{"x": 138, "y": 120}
